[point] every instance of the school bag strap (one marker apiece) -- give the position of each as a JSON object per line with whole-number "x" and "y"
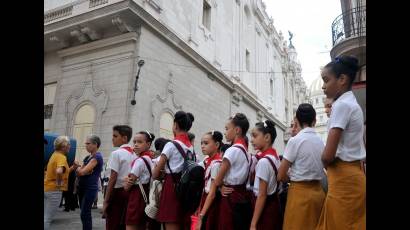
{"x": 274, "y": 169}
{"x": 148, "y": 167}
{"x": 209, "y": 175}
{"x": 182, "y": 152}
{"x": 246, "y": 156}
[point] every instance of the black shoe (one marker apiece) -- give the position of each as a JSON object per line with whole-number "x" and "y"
{"x": 66, "y": 210}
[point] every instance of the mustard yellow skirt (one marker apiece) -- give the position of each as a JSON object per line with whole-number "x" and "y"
{"x": 304, "y": 205}
{"x": 345, "y": 204}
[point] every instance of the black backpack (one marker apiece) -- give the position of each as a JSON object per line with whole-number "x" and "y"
{"x": 191, "y": 184}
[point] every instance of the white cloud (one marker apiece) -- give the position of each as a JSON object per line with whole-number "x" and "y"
{"x": 310, "y": 22}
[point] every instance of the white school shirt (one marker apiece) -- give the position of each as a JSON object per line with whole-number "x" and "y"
{"x": 238, "y": 172}
{"x": 304, "y": 151}
{"x": 120, "y": 161}
{"x": 265, "y": 171}
{"x": 211, "y": 173}
{"x": 347, "y": 115}
{"x": 176, "y": 161}
{"x": 140, "y": 169}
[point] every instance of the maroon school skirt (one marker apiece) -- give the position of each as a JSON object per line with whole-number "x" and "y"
{"x": 136, "y": 206}
{"x": 211, "y": 217}
{"x": 226, "y": 205}
{"x": 270, "y": 218}
{"x": 117, "y": 209}
{"x": 169, "y": 206}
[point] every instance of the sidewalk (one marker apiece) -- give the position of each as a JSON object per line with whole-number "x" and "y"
{"x": 71, "y": 220}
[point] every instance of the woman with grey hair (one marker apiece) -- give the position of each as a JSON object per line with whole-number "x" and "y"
{"x": 56, "y": 178}
{"x": 89, "y": 175}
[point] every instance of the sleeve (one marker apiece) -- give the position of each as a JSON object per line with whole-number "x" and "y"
{"x": 340, "y": 116}
{"x": 168, "y": 150}
{"x": 114, "y": 162}
{"x": 291, "y": 150}
{"x": 61, "y": 161}
{"x": 262, "y": 170}
{"x": 214, "y": 170}
{"x": 230, "y": 155}
{"x": 137, "y": 168}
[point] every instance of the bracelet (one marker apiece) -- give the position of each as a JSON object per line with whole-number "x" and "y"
{"x": 201, "y": 216}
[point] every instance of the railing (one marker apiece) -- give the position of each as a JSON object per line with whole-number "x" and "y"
{"x": 58, "y": 14}
{"x": 94, "y": 3}
{"x": 350, "y": 24}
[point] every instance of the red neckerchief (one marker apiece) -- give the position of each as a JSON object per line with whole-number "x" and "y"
{"x": 184, "y": 139}
{"x": 241, "y": 140}
{"x": 145, "y": 153}
{"x": 129, "y": 149}
{"x": 269, "y": 151}
{"x": 208, "y": 162}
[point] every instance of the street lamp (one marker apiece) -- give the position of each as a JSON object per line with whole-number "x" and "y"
{"x": 140, "y": 64}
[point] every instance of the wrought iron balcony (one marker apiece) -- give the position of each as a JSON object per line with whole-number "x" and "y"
{"x": 350, "y": 24}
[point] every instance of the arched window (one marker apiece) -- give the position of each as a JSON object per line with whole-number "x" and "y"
{"x": 165, "y": 126}
{"x": 83, "y": 126}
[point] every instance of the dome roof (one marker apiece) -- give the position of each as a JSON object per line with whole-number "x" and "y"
{"x": 316, "y": 87}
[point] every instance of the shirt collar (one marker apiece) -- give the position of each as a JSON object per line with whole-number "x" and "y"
{"x": 308, "y": 130}
{"x": 345, "y": 96}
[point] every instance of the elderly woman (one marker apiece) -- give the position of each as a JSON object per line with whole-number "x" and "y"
{"x": 89, "y": 175}
{"x": 56, "y": 178}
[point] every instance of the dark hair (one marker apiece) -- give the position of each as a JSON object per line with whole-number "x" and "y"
{"x": 217, "y": 137}
{"x": 94, "y": 139}
{"x": 160, "y": 143}
{"x": 344, "y": 65}
{"x": 191, "y": 136}
{"x": 123, "y": 130}
{"x": 184, "y": 120}
{"x": 241, "y": 121}
{"x": 224, "y": 147}
{"x": 305, "y": 114}
{"x": 148, "y": 136}
{"x": 267, "y": 127}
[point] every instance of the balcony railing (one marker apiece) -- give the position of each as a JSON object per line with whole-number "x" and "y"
{"x": 350, "y": 24}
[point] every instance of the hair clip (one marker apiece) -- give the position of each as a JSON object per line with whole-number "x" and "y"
{"x": 148, "y": 134}
{"x": 337, "y": 60}
{"x": 213, "y": 132}
{"x": 264, "y": 124}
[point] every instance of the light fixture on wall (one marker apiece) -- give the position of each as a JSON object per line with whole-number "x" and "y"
{"x": 140, "y": 64}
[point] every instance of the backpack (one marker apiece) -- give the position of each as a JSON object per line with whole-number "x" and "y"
{"x": 151, "y": 209}
{"x": 191, "y": 184}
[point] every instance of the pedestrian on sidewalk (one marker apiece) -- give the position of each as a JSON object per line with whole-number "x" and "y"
{"x": 116, "y": 198}
{"x": 302, "y": 156}
{"x": 56, "y": 178}
{"x": 344, "y": 149}
{"x": 89, "y": 176}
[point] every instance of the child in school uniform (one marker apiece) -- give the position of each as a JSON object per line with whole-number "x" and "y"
{"x": 170, "y": 211}
{"x": 266, "y": 214}
{"x": 115, "y": 201}
{"x": 140, "y": 173}
{"x": 208, "y": 210}
{"x": 302, "y": 155}
{"x": 345, "y": 204}
{"x": 235, "y": 206}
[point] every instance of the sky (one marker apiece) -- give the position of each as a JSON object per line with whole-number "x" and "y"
{"x": 310, "y": 22}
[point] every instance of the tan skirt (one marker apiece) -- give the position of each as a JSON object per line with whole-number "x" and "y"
{"x": 304, "y": 205}
{"x": 345, "y": 204}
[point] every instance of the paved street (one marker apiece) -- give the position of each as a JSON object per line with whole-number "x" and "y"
{"x": 71, "y": 220}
